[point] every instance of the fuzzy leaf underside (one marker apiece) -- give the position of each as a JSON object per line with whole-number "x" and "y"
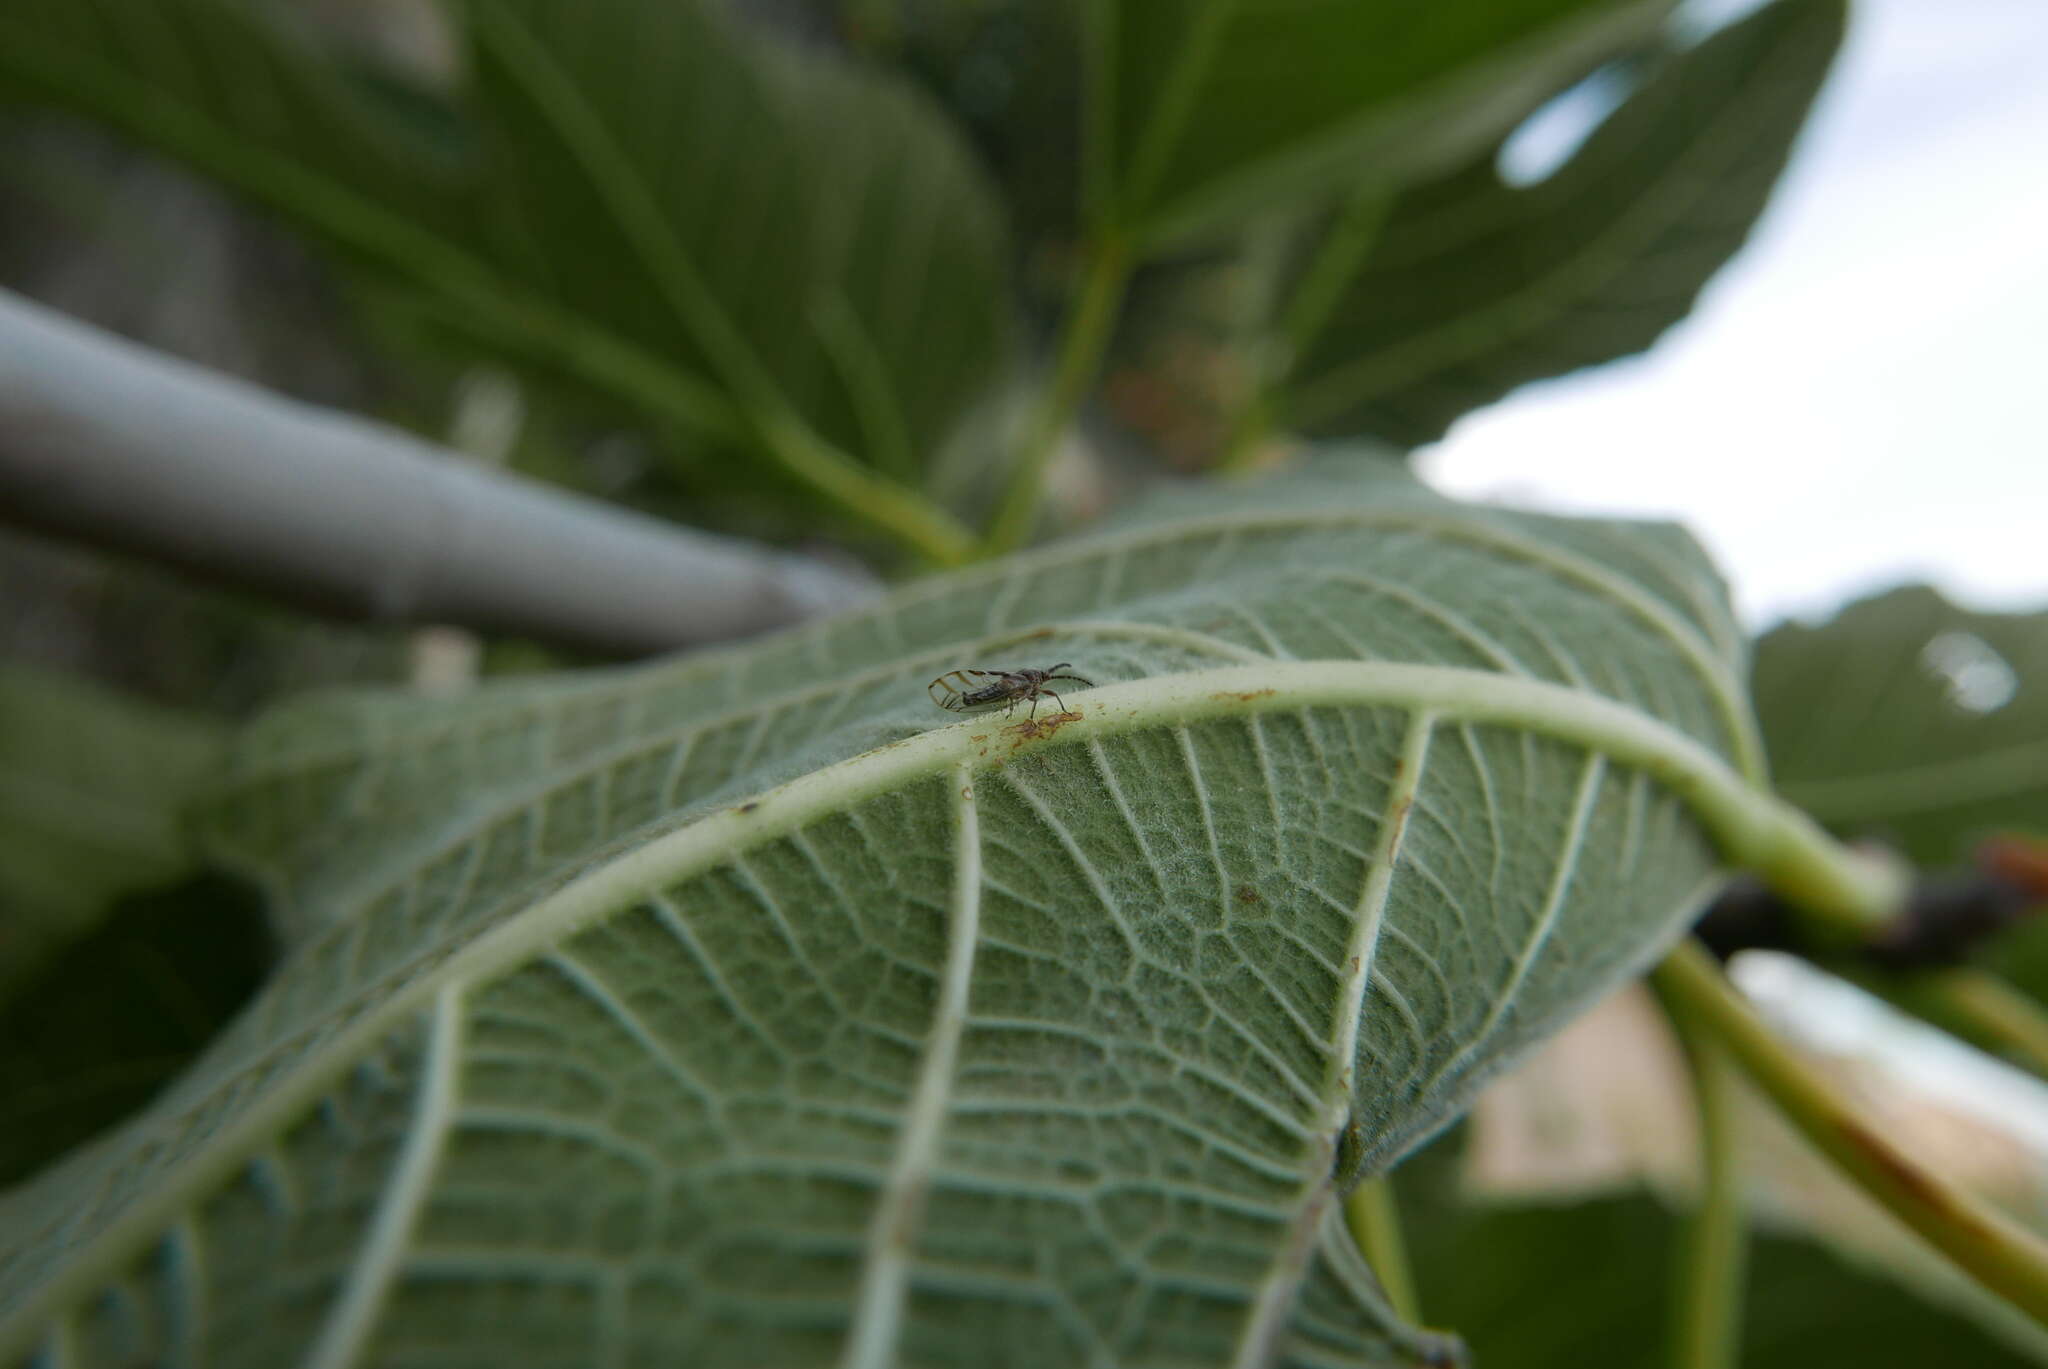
{"x": 746, "y": 1010}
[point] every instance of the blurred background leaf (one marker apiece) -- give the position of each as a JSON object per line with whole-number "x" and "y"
{"x": 119, "y": 1011}
{"x": 92, "y": 787}
{"x": 1213, "y": 115}
{"x": 1547, "y": 1227}
{"x": 1472, "y": 286}
{"x": 1535, "y": 1285}
{"x": 1909, "y": 719}
{"x": 822, "y": 281}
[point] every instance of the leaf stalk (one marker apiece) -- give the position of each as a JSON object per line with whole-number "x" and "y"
{"x": 1374, "y": 1217}
{"x": 1708, "y": 1296}
{"x": 1981, "y": 1241}
{"x": 1084, "y": 340}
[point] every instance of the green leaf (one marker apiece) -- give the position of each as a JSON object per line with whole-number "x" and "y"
{"x": 1589, "y": 1281}
{"x": 120, "y": 1010}
{"x": 92, "y": 787}
{"x": 746, "y": 246}
{"x": 1472, "y": 287}
{"x": 1907, "y": 718}
{"x": 806, "y": 236}
{"x": 376, "y": 166}
{"x": 1204, "y": 115}
{"x": 747, "y": 1010}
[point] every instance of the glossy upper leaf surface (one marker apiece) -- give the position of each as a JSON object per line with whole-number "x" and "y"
{"x": 676, "y": 211}
{"x": 1909, "y": 719}
{"x": 1207, "y": 115}
{"x": 1472, "y": 287}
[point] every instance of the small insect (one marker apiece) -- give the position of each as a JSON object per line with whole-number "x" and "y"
{"x": 959, "y": 690}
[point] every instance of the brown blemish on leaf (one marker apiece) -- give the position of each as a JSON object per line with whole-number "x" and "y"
{"x": 978, "y": 737}
{"x": 1036, "y": 729}
{"x": 1247, "y": 894}
{"x": 750, "y": 806}
{"x": 1246, "y": 697}
{"x": 967, "y": 792}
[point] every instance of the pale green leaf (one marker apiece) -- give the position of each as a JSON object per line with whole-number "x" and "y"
{"x": 1907, "y": 718}
{"x": 1473, "y": 287}
{"x": 1205, "y": 115}
{"x": 92, "y": 786}
{"x": 747, "y": 1010}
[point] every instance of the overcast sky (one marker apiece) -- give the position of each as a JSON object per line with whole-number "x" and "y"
{"x": 1859, "y": 398}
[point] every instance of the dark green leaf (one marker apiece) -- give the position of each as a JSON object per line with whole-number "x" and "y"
{"x": 753, "y": 248}
{"x": 120, "y": 1011}
{"x": 808, "y": 237}
{"x": 746, "y": 1009}
{"x": 1907, "y": 718}
{"x": 1473, "y": 287}
{"x": 92, "y": 791}
{"x": 1586, "y": 1282}
{"x": 374, "y": 164}
{"x": 1209, "y": 114}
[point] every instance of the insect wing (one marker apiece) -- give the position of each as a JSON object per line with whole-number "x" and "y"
{"x": 951, "y": 689}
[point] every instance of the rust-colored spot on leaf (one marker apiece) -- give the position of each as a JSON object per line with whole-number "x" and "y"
{"x": 1247, "y": 894}
{"x": 750, "y": 806}
{"x": 1247, "y": 696}
{"x": 1035, "y": 729}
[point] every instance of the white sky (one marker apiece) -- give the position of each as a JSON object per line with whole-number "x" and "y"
{"x": 1862, "y": 397}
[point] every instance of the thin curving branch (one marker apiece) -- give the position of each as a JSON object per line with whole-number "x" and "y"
{"x": 106, "y": 442}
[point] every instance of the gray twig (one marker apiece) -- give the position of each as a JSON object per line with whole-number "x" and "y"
{"x": 106, "y": 442}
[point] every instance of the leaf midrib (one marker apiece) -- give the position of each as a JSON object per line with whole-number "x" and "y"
{"x": 1734, "y": 813}
{"x": 1690, "y": 641}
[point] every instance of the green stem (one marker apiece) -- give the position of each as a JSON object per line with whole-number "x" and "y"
{"x": 1086, "y": 337}
{"x": 1337, "y": 258}
{"x": 1707, "y": 1302}
{"x": 1375, "y": 1221}
{"x": 1983, "y": 1243}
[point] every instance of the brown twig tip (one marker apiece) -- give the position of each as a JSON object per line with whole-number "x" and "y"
{"x": 1945, "y": 918}
{"x": 2020, "y": 861}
